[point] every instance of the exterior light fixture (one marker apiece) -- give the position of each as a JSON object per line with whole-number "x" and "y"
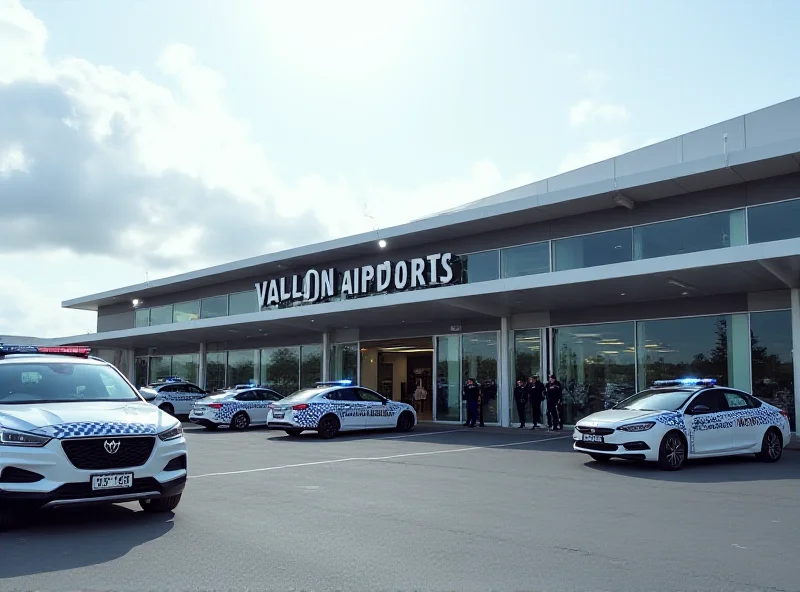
{"x": 623, "y": 201}
{"x": 382, "y": 244}
{"x": 135, "y": 302}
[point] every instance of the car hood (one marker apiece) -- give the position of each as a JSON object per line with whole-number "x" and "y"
{"x": 612, "y": 417}
{"x": 65, "y": 420}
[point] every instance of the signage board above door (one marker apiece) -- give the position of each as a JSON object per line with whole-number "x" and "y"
{"x": 314, "y": 285}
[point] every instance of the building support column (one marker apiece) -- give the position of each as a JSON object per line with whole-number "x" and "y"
{"x": 504, "y": 394}
{"x": 130, "y": 358}
{"x": 796, "y": 351}
{"x": 201, "y": 366}
{"x": 326, "y": 356}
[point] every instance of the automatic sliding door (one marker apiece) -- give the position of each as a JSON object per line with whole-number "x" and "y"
{"x": 448, "y": 378}
{"x": 479, "y": 361}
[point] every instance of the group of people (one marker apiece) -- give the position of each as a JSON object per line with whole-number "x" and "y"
{"x": 532, "y": 391}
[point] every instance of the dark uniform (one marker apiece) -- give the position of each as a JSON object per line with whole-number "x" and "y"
{"x": 472, "y": 393}
{"x": 536, "y": 392}
{"x": 520, "y": 397}
{"x": 554, "y": 393}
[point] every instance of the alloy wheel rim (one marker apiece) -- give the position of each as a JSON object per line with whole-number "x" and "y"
{"x": 674, "y": 449}
{"x": 240, "y": 421}
{"x": 773, "y": 446}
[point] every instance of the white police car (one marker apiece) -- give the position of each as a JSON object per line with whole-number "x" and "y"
{"x": 333, "y": 407}
{"x": 679, "y": 419}
{"x": 238, "y": 408}
{"x": 74, "y": 431}
{"x": 173, "y": 395}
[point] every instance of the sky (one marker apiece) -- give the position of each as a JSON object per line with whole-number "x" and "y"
{"x": 144, "y": 138}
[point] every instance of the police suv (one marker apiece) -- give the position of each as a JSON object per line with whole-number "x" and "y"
{"x": 338, "y": 406}
{"x": 74, "y": 431}
{"x": 688, "y": 418}
{"x": 173, "y": 395}
{"x": 238, "y": 408}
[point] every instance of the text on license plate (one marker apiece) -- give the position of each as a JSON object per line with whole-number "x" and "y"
{"x": 199, "y": 411}
{"x": 592, "y": 438}
{"x": 278, "y": 415}
{"x": 114, "y": 481}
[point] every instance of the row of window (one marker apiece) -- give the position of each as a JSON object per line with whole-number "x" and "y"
{"x": 751, "y": 225}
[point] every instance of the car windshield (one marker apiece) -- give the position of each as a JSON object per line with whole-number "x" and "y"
{"x": 61, "y": 382}
{"x": 656, "y": 400}
{"x": 303, "y": 395}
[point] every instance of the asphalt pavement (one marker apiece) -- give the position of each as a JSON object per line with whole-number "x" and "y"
{"x": 441, "y": 508}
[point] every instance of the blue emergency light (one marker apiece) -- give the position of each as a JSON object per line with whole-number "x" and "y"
{"x": 686, "y": 382}
{"x": 170, "y": 379}
{"x": 335, "y": 383}
{"x": 80, "y": 351}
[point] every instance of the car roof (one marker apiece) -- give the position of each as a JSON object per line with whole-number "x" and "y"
{"x": 65, "y": 359}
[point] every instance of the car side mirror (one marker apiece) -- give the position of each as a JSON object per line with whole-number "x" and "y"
{"x": 698, "y": 410}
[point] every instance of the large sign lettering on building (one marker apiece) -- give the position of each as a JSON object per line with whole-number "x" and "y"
{"x": 321, "y": 285}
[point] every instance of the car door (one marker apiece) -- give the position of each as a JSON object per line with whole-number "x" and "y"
{"x": 260, "y": 407}
{"x": 747, "y": 430}
{"x": 249, "y": 403}
{"x": 378, "y": 414}
{"x": 709, "y": 425}
{"x": 348, "y": 408}
{"x": 182, "y": 398}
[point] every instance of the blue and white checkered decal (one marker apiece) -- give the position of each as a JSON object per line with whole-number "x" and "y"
{"x": 87, "y": 429}
{"x": 309, "y": 417}
{"x": 764, "y": 415}
{"x": 231, "y": 408}
{"x": 673, "y": 419}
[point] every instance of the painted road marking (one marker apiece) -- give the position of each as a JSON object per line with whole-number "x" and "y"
{"x": 375, "y": 458}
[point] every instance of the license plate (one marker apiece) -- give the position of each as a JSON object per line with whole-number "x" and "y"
{"x": 592, "y": 438}
{"x": 114, "y": 481}
{"x": 278, "y": 414}
{"x": 199, "y": 411}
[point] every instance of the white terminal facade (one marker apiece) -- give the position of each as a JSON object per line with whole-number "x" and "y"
{"x": 678, "y": 259}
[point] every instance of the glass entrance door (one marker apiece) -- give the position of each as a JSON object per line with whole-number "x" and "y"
{"x": 448, "y": 378}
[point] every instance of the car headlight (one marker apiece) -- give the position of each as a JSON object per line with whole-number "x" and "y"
{"x": 172, "y": 433}
{"x": 637, "y": 427}
{"x": 15, "y": 438}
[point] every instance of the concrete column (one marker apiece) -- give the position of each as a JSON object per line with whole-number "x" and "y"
{"x": 201, "y": 366}
{"x": 326, "y": 356}
{"x": 504, "y": 364}
{"x": 131, "y": 359}
{"x": 796, "y": 350}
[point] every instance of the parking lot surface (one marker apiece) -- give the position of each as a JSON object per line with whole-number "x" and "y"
{"x": 441, "y": 508}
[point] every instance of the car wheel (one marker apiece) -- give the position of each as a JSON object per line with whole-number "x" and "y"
{"x": 672, "y": 452}
{"x": 771, "y": 447}
{"x": 405, "y": 423}
{"x": 294, "y": 433}
{"x": 160, "y": 505}
{"x": 328, "y": 427}
{"x": 601, "y": 458}
{"x": 240, "y": 421}
{"x": 167, "y": 408}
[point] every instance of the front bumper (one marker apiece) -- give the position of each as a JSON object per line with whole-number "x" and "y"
{"x": 627, "y": 445}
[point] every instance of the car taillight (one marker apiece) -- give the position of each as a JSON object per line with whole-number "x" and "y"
{"x": 300, "y": 407}
{"x": 785, "y": 413}
{"x": 216, "y": 405}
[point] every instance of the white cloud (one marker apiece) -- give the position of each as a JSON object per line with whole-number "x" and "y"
{"x": 592, "y": 152}
{"x": 587, "y": 111}
{"x": 101, "y": 166}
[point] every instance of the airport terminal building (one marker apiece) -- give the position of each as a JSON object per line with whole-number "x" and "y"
{"x": 677, "y": 259}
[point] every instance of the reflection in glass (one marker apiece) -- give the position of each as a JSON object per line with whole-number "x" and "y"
{"x": 216, "y": 306}
{"x": 527, "y": 363}
{"x": 480, "y": 267}
{"x": 243, "y": 302}
{"x": 161, "y": 315}
{"x": 591, "y": 250}
{"x": 186, "y": 366}
{"x": 448, "y": 378}
{"x": 242, "y": 366}
{"x": 280, "y": 369}
{"x": 186, "y": 311}
{"x": 310, "y": 365}
{"x": 689, "y": 235}
{"x": 140, "y": 372}
{"x": 775, "y": 221}
{"x": 160, "y": 367}
{"x": 596, "y": 365}
{"x": 479, "y": 361}
{"x": 216, "y": 364}
{"x": 142, "y": 317}
{"x": 344, "y": 361}
{"x": 773, "y": 378}
{"x": 525, "y": 260}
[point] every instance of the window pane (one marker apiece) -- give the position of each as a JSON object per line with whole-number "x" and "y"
{"x": 596, "y": 367}
{"x": 525, "y": 260}
{"x": 186, "y": 366}
{"x": 280, "y": 369}
{"x": 689, "y": 235}
{"x": 773, "y": 379}
{"x": 480, "y": 267}
{"x": 448, "y": 379}
{"x": 140, "y": 372}
{"x": 216, "y": 306}
{"x": 186, "y": 311}
{"x": 479, "y": 361}
{"x": 160, "y": 367}
{"x": 242, "y": 366}
{"x": 161, "y": 315}
{"x": 592, "y": 250}
{"x": 243, "y": 302}
{"x": 773, "y": 222}
{"x": 142, "y": 317}
{"x": 344, "y": 361}
{"x": 311, "y": 365}
{"x": 527, "y": 364}
{"x": 215, "y": 370}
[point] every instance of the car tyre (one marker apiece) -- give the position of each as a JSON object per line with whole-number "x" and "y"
{"x": 160, "y": 505}
{"x": 405, "y": 423}
{"x": 294, "y": 433}
{"x": 672, "y": 452}
{"x": 771, "y": 446}
{"x": 601, "y": 458}
{"x": 167, "y": 408}
{"x": 240, "y": 421}
{"x": 328, "y": 427}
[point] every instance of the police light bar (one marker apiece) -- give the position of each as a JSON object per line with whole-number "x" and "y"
{"x": 335, "y": 383}
{"x": 686, "y": 382}
{"x": 62, "y": 350}
{"x": 170, "y": 379}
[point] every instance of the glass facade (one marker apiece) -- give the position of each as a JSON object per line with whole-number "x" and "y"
{"x": 771, "y": 359}
{"x": 690, "y": 235}
{"x": 479, "y": 354}
{"x": 527, "y": 363}
{"x": 310, "y": 365}
{"x": 186, "y": 311}
{"x": 242, "y": 302}
{"x": 591, "y": 250}
{"x": 480, "y": 267}
{"x": 242, "y": 365}
{"x": 448, "y": 378}
{"x": 280, "y": 369}
{"x": 142, "y": 317}
{"x": 186, "y": 366}
{"x": 216, "y": 306}
{"x": 160, "y": 367}
{"x": 775, "y": 221}
{"x": 344, "y": 361}
{"x": 161, "y": 315}
{"x": 525, "y": 260}
{"x": 216, "y": 365}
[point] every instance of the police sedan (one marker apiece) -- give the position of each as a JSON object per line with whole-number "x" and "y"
{"x": 238, "y": 408}
{"x": 680, "y": 419}
{"x": 173, "y": 395}
{"x": 74, "y": 431}
{"x": 333, "y": 407}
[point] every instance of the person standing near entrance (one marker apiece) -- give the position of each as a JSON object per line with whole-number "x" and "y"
{"x": 472, "y": 394}
{"x": 520, "y": 397}
{"x": 554, "y": 392}
{"x": 536, "y": 394}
